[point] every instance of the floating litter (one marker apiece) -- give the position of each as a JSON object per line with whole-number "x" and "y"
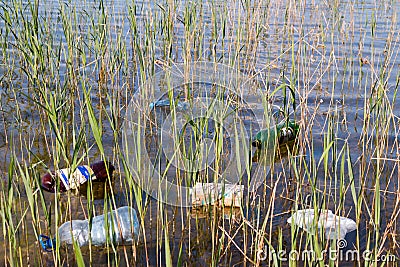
{"x": 180, "y": 106}
{"x": 335, "y": 227}
{"x": 121, "y": 225}
{"x": 230, "y": 195}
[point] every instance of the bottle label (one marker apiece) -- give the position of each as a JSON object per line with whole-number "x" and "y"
{"x": 72, "y": 180}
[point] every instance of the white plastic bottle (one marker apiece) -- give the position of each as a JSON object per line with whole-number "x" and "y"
{"x": 122, "y": 225}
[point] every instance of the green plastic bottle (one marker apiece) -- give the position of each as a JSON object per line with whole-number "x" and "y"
{"x": 283, "y": 133}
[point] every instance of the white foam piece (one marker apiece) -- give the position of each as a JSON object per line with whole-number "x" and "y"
{"x": 334, "y": 226}
{"x": 212, "y": 193}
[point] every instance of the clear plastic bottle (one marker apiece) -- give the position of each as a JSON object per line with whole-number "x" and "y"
{"x": 122, "y": 224}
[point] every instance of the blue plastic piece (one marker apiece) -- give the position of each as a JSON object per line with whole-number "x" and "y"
{"x": 47, "y": 243}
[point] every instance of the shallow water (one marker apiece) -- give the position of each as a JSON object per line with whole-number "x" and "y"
{"x": 330, "y": 41}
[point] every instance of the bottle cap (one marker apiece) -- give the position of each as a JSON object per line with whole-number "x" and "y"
{"x": 47, "y": 243}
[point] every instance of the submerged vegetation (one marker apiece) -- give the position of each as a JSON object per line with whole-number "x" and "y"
{"x": 69, "y": 70}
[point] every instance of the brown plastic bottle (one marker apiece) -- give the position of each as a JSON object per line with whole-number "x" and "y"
{"x": 98, "y": 171}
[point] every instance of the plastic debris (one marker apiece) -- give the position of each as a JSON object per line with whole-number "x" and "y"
{"x": 122, "y": 225}
{"x": 217, "y": 193}
{"x": 70, "y": 179}
{"x": 334, "y": 226}
{"x": 283, "y": 133}
{"x": 180, "y": 105}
